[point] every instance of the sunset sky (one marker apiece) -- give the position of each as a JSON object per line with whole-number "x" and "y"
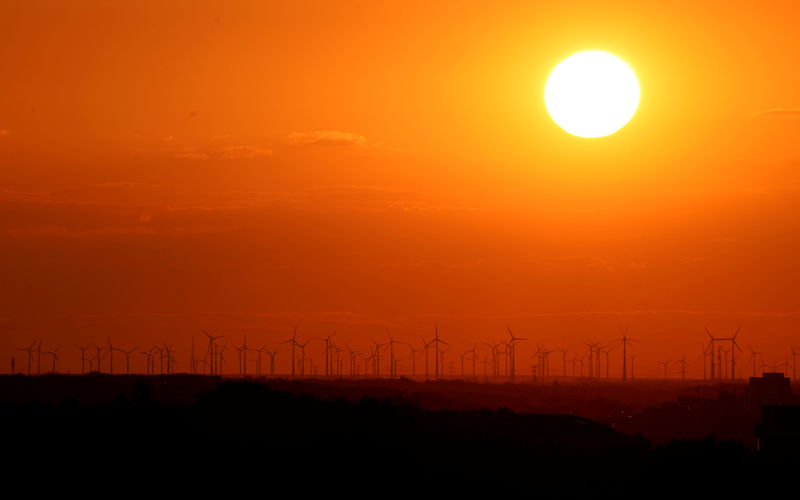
{"x": 249, "y": 166}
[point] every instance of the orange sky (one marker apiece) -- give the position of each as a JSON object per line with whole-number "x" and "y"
{"x": 248, "y": 166}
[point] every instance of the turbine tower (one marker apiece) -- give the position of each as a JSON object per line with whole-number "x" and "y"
{"x": 511, "y": 347}
{"x": 625, "y": 339}
{"x": 437, "y": 341}
{"x": 293, "y": 342}
{"x": 212, "y": 350}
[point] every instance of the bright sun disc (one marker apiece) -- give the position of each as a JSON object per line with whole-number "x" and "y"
{"x": 591, "y": 94}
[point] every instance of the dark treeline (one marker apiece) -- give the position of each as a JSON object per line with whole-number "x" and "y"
{"x": 246, "y": 436}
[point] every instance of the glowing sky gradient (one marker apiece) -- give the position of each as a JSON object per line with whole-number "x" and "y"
{"x": 249, "y": 166}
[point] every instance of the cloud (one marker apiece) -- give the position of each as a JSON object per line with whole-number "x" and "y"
{"x": 780, "y": 112}
{"x": 4, "y": 132}
{"x": 326, "y": 138}
{"x": 243, "y": 152}
{"x": 224, "y": 153}
{"x": 191, "y": 155}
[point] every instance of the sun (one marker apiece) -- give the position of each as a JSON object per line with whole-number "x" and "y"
{"x": 591, "y": 94}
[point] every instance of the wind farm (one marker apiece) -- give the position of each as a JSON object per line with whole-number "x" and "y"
{"x": 370, "y": 249}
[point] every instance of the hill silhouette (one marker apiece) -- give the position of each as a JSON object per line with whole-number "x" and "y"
{"x": 237, "y": 432}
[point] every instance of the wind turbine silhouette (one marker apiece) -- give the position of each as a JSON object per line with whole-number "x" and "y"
{"x": 592, "y": 347}
{"x": 437, "y": 341}
{"x": 53, "y": 353}
{"x": 222, "y": 361}
{"x": 665, "y": 363}
{"x": 293, "y": 342}
{"x": 128, "y": 360}
{"x": 98, "y": 357}
{"x": 753, "y": 354}
{"x": 706, "y": 351}
{"x": 711, "y": 346}
{"x": 353, "y": 354}
{"x": 625, "y": 339}
{"x": 29, "y": 350}
{"x": 683, "y": 364}
{"x": 303, "y": 356}
{"x": 564, "y": 360}
{"x": 495, "y": 361}
{"x": 413, "y": 358}
{"x": 149, "y": 363}
{"x": 328, "y": 357}
{"x": 272, "y": 355}
{"x": 392, "y": 368}
{"x": 377, "y": 354}
{"x": 110, "y": 353}
{"x": 39, "y": 358}
{"x": 259, "y": 354}
{"x": 511, "y": 347}
{"x": 244, "y": 350}
{"x": 426, "y": 345}
{"x": 170, "y": 358}
{"x": 212, "y": 350}
{"x": 83, "y": 358}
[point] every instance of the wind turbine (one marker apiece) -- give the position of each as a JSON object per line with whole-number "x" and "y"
{"x": 272, "y": 355}
{"x": 244, "y": 350}
{"x": 167, "y": 349}
{"x": 437, "y": 341}
{"x": 98, "y": 357}
{"x": 353, "y": 354}
{"x": 392, "y": 369}
{"x": 665, "y": 363}
{"x": 192, "y": 360}
{"x": 753, "y": 354}
{"x": 128, "y": 360}
{"x": 706, "y": 350}
{"x": 222, "y": 361}
{"x": 495, "y": 361}
{"x": 711, "y": 344}
{"x": 683, "y": 363}
{"x": 53, "y": 353}
{"x": 292, "y": 341}
{"x": 592, "y": 347}
{"x": 29, "y": 350}
{"x": 111, "y": 350}
{"x": 506, "y": 352}
{"x": 414, "y": 359}
{"x": 149, "y": 364}
{"x": 625, "y": 339}
{"x": 544, "y": 360}
{"x": 303, "y": 357}
{"x": 212, "y": 350}
{"x": 366, "y": 363}
{"x": 160, "y": 359}
{"x": 564, "y": 361}
{"x": 441, "y": 354}
{"x": 511, "y": 347}
{"x": 377, "y": 354}
{"x": 426, "y": 345}
{"x": 473, "y": 358}
{"x": 39, "y": 358}
{"x": 328, "y": 357}
{"x": 734, "y": 346}
{"x": 259, "y": 355}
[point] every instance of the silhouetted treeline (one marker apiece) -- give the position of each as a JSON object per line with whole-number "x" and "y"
{"x": 242, "y": 435}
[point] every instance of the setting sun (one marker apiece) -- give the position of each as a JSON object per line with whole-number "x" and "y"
{"x": 591, "y": 94}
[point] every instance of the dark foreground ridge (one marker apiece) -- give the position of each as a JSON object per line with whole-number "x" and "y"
{"x": 245, "y": 436}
